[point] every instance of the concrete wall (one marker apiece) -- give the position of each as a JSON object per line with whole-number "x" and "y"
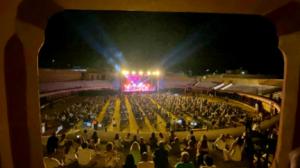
{"x": 58, "y": 75}
{"x": 246, "y": 81}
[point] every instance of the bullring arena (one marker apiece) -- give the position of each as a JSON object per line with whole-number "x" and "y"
{"x": 77, "y": 105}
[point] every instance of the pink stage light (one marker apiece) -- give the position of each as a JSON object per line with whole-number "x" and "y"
{"x": 132, "y": 87}
{"x": 135, "y": 82}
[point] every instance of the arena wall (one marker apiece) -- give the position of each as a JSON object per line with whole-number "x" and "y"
{"x": 58, "y": 75}
{"x": 246, "y": 81}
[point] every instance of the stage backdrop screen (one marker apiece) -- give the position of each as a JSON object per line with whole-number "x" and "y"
{"x": 138, "y": 83}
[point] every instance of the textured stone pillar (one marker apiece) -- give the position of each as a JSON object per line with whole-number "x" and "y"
{"x": 290, "y": 112}
{"x": 15, "y": 81}
{"x": 8, "y": 10}
{"x": 21, "y": 87}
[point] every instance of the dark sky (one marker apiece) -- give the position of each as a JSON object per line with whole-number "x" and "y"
{"x": 172, "y": 41}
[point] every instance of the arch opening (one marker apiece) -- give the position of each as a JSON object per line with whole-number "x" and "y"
{"x": 234, "y": 81}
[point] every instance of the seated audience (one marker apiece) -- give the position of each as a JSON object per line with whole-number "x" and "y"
{"x": 219, "y": 114}
{"x": 127, "y": 141}
{"x": 192, "y": 150}
{"x": 62, "y": 140}
{"x": 229, "y": 139}
{"x": 111, "y": 158}
{"x": 52, "y": 143}
{"x": 172, "y": 137}
{"x": 153, "y": 142}
{"x": 190, "y": 136}
{"x": 95, "y": 138}
{"x": 161, "y": 138}
{"x": 118, "y": 143}
{"x": 143, "y": 146}
{"x": 84, "y": 136}
{"x": 175, "y": 147}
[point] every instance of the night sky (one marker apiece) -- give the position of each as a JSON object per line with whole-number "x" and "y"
{"x": 178, "y": 42}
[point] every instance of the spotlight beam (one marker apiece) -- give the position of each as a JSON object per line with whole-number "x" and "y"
{"x": 187, "y": 47}
{"x": 101, "y": 42}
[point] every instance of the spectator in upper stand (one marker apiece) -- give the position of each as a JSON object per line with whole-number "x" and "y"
{"x": 160, "y": 156}
{"x": 127, "y": 141}
{"x": 143, "y": 145}
{"x": 85, "y": 136}
{"x": 220, "y": 142}
{"x": 144, "y": 163}
{"x": 161, "y": 138}
{"x": 62, "y": 140}
{"x": 114, "y": 123}
{"x": 85, "y": 155}
{"x": 135, "y": 150}
{"x": 234, "y": 152}
{"x": 175, "y": 147}
{"x": 185, "y": 161}
{"x": 189, "y": 137}
{"x": 60, "y": 148}
{"x": 129, "y": 163}
{"x": 134, "y": 139}
{"x": 95, "y": 139}
{"x": 192, "y": 150}
{"x": 172, "y": 137}
{"x": 202, "y": 150}
{"x": 193, "y": 141}
{"x": 52, "y": 143}
{"x": 111, "y": 158}
{"x": 118, "y": 142}
{"x": 153, "y": 141}
{"x": 208, "y": 162}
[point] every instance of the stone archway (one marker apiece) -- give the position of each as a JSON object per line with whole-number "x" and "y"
{"x": 21, "y": 81}
{"x": 23, "y": 37}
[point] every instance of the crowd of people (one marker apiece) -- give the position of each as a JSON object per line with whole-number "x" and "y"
{"x": 257, "y": 104}
{"x": 85, "y": 151}
{"x": 84, "y": 110}
{"x": 108, "y": 119}
{"x": 206, "y": 113}
{"x": 124, "y": 115}
{"x": 212, "y": 114}
{"x": 137, "y": 111}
